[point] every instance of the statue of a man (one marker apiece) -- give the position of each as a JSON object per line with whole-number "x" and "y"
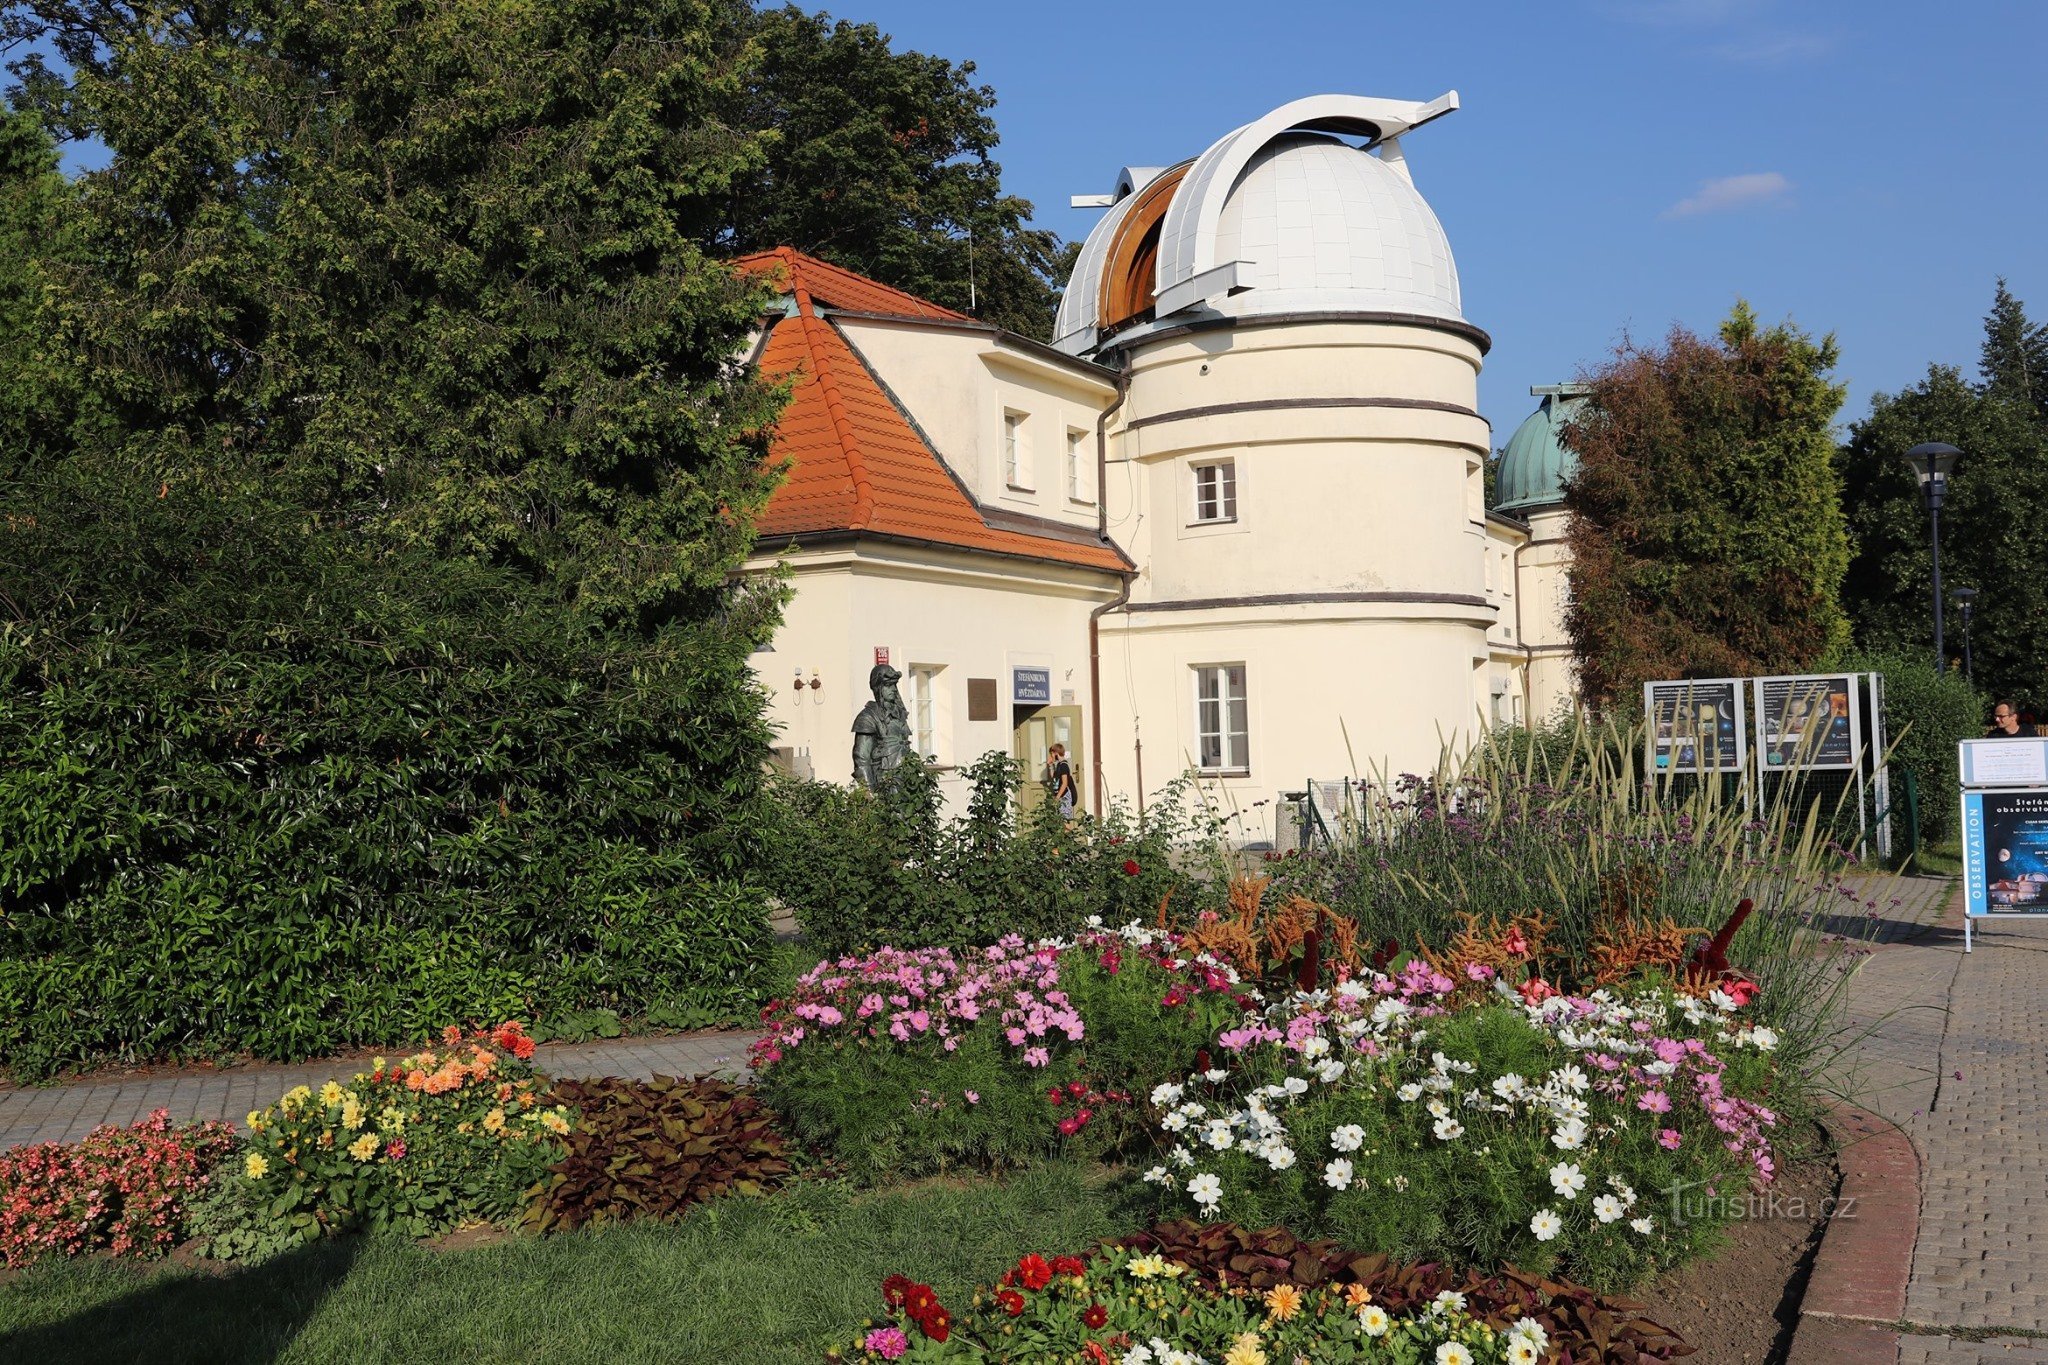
{"x": 881, "y": 732}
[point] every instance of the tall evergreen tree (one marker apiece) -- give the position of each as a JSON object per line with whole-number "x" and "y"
{"x": 2014, "y": 359}
{"x": 1706, "y": 537}
{"x": 1989, "y": 540}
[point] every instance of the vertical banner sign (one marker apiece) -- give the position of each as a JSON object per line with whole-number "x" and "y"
{"x": 1696, "y": 726}
{"x": 2005, "y": 828}
{"x": 1809, "y": 721}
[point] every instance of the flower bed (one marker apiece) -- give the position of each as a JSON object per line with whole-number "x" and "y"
{"x": 120, "y": 1190}
{"x": 1395, "y": 1114}
{"x": 1123, "y": 1307}
{"x": 439, "y": 1139}
{"x": 1430, "y": 1112}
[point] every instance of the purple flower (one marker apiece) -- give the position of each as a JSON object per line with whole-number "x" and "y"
{"x": 887, "y": 1342}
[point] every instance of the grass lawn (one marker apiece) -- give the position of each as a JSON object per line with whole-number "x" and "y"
{"x": 740, "y": 1282}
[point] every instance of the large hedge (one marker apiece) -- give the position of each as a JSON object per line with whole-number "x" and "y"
{"x": 1925, "y": 714}
{"x": 353, "y": 803}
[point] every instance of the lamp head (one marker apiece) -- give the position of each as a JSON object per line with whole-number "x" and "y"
{"x": 1932, "y": 461}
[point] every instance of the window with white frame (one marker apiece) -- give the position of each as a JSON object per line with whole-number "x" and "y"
{"x": 1222, "y": 719}
{"x": 924, "y": 709}
{"x": 1215, "y": 492}
{"x": 1016, "y": 452}
{"x": 1077, "y": 466}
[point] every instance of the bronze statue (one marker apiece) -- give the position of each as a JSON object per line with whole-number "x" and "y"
{"x": 881, "y": 732}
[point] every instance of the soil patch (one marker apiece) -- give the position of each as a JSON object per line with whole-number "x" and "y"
{"x": 1740, "y": 1306}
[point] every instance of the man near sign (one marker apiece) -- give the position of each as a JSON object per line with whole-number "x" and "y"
{"x": 2005, "y": 723}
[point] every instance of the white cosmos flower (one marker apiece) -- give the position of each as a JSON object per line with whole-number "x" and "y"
{"x": 1448, "y": 1129}
{"x": 1138, "y": 1355}
{"x": 1217, "y": 1134}
{"x": 1570, "y": 1077}
{"x": 1296, "y": 1086}
{"x": 1337, "y": 1175}
{"x": 1181, "y": 1156}
{"x": 1409, "y": 1093}
{"x": 1509, "y": 1086}
{"x": 1437, "y": 1108}
{"x": 1158, "y": 1176}
{"x": 1165, "y": 1094}
{"x": 1279, "y": 1156}
{"x": 1387, "y": 1011}
{"x": 1315, "y": 1046}
{"x": 1763, "y": 1038}
{"x": 1329, "y": 1071}
{"x": 1348, "y": 1138}
{"x": 1567, "y": 1179}
{"x": 1174, "y": 1121}
{"x": 1449, "y": 1301}
{"x": 1570, "y": 1135}
{"x": 1546, "y": 1225}
{"x": 1607, "y": 1208}
{"x": 1206, "y": 1190}
{"x": 1642, "y": 1225}
{"x": 1215, "y": 1075}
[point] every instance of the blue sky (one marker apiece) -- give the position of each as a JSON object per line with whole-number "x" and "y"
{"x": 1865, "y": 168}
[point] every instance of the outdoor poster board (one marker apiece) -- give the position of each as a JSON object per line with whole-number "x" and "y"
{"x": 2003, "y": 762}
{"x": 1808, "y": 721}
{"x": 1695, "y": 726}
{"x": 2005, "y": 852}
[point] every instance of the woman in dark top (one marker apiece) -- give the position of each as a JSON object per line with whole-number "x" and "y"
{"x": 1062, "y": 779}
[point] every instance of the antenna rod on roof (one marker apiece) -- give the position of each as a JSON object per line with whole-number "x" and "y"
{"x": 970, "y": 268}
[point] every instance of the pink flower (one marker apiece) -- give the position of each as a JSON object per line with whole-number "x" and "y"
{"x": 1654, "y": 1102}
{"x": 973, "y": 1096}
{"x": 1478, "y": 971}
{"x": 887, "y": 1342}
{"x": 1036, "y": 1056}
{"x": 1669, "y": 1139}
{"x": 395, "y": 1149}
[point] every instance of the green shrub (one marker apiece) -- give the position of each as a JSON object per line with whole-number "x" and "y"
{"x": 1926, "y": 714}
{"x": 862, "y": 869}
{"x": 650, "y": 1149}
{"x": 306, "y": 797}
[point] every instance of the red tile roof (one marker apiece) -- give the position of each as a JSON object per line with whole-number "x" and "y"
{"x": 855, "y": 461}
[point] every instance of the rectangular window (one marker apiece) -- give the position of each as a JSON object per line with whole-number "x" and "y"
{"x": 1077, "y": 466}
{"x": 1222, "y": 720}
{"x": 1216, "y": 492}
{"x": 1016, "y": 452}
{"x": 924, "y": 709}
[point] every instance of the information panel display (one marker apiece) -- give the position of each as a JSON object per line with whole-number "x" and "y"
{"x": 2005, "y": 852}
{"x": 1695, "y": 726}
{"x": 1807, "y": 721}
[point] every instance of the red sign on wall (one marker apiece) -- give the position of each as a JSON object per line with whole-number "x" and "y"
{"x": 881, "y": 654}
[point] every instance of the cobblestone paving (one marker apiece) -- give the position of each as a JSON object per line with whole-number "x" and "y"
{"x": 1953, "y": 1047}
{"x": 62, "y": 1113}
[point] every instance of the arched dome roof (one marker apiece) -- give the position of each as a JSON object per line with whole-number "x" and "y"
{"x": 1280, "y": 216}
{"x": 1534, "y": 467}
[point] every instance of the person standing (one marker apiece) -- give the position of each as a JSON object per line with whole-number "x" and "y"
{"x": 1062, "y": 779}
{"x": 2005, "y": 723}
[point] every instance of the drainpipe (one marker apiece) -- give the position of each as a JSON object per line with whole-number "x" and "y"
{"x": 1123, "y": 596}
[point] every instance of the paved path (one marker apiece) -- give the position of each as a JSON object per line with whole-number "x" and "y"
{"x": 1953, "y": 1047}
{"x": 62, "y": 1113}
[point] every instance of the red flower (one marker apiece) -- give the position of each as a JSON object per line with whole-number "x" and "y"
{"x": 895, "y": 1289}
{"x": 1739, "y": 990}
{"x": 1012, "y": 1302}
{"x": 1536, "y": 990}
{"x": 1054, "y": 1096}
{"x": 1130, "y": 867}
{"x": 938, "y": 1324}
{"x": 1069, "y": 1265}
{"x": 1068, "y": 1126}
{"x": 919, "y": 1302}
{"x": 1076, "y": 1089}
{"x": 1034, "y": 1272}
{"x": 1095, "y": 1317}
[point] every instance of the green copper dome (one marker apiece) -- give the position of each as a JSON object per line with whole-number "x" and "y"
{"x": 1536, "y": 463}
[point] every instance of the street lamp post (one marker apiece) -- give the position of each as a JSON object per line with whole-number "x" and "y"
{"x": 1932, "y": 461}
{"x": 1966, "y": 607}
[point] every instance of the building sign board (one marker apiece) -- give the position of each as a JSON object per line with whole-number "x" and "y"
{"x": 1031, "y": 686}
{"x": 1808, "y": 721}
{"x": 1696, "y": 725}
{"x": 2005, "y": 828}
{"x": 2004, "y": 762}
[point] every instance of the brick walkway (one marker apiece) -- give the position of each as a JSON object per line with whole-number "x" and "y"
{"x": 64, "y": 1112}
{"x": 1954, "y": 1049}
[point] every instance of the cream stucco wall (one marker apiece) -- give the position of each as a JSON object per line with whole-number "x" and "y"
{"x": 957, "y": 384}
{"x": 971, "y": 616}
{"x": 1553, "y": 686}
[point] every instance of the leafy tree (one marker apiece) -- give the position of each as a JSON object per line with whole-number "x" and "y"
{"x": 369, "y": 661}
{"x": 1706, "y": 536}
{"x": 36, "y": 397}
{"x": 1988, "y": 537}
{"x": 880, "y": 161}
